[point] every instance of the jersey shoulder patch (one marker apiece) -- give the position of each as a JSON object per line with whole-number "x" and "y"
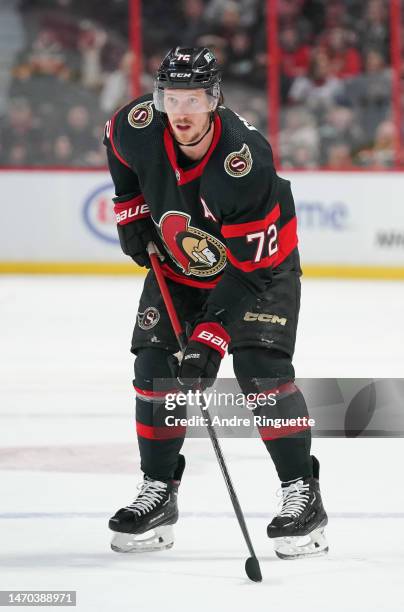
{"x": 241, "y": 173}
{"x": 239, "y": 163}
{"x": 245, "y": 151}
{"x": 141, "y": 115}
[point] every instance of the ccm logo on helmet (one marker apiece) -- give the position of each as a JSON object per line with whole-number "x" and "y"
{"x": 180, "y": 75}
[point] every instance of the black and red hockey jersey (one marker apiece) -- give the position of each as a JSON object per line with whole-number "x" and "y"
{"x": 226, "y": 222}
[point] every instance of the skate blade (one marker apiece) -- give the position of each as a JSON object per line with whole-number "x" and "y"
{"x": 160, "y": 538}
{"x": 312, "y": 545}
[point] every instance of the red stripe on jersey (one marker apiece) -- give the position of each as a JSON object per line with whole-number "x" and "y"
{"x": 160, "y": 433}
{"x": 184, "y": 280}
{"x": 111, "y": 139}
{"x": 132, "y": 210}
{"x": 241, "y": 229}
{"x": 250, "y": 266}
{"x": 186, "y": 176}
{"x": 272, "y": 433}
{"x": 287, "y": 241}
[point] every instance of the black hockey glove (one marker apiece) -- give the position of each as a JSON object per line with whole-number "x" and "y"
{"x": 135, "y": 228}
{"x": 134, "y": 238}
{"x": 201, "y": 361}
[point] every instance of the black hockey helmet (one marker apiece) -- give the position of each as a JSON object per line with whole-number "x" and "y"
{"x": 188, "y": 68}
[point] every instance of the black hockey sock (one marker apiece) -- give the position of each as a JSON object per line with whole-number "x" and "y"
{"x": 270, "y": 371}
{"x": 159, "y": 457}
{"x": 290, "y": 453}
{"x": 159, "y": 443}
{"x": 291, "y": 456}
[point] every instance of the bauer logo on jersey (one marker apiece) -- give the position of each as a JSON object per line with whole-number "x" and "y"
{"x": 239, "y": 163}
{"x": 194, "y": 251}
{"x": 141, "y": 115}
{"x": 149, "y": 318}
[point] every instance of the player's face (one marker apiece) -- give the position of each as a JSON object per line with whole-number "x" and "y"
{"x": 188, "y": 113}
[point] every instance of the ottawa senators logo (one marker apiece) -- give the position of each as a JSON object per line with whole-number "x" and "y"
{"x": 196, "y": 252}
{"x": 141, "y": 115}
{"x": 149, "y": 318}
{"x": 239, "y": 163}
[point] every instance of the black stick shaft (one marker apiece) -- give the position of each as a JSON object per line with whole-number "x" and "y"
{"x": 211, "y": 430}
{"x": 228, "y": 481}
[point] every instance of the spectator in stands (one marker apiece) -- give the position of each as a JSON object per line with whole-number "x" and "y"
{"x": 47, "y": 57}
{"x": 373, "y": 28}
{"x": 78, "y": 131}
{"x": 229, "y": 23}
{"x": 11, "y": 42}
{"x": 340, "y": 125}
{"x": 295, "y": 55}
{"x": 294, "y": 59}
{"x": 18, "y": 155}
{"x": 193, "y": 21}
{"x": 116, "y": 85}
{"x": 304, "y": 157}
{"x": 345, "y": 61}
{"x": 78, "y": 66}
{"x": 370, "y": 93}
{"x": 63, "y": 150}
{"x": 339, "y": 157}
{"x": 336, "y": 15}
{"x": 300, "y": 132}
{"x": 20, "y": 134}
{"x": 319, "y": 89}
{"x": 313, "y": 11}
{"x": 240, "y": 55}
{"x": 290, "y": 15}
{"x": 151, "y": 64}
{"x": 90, "y": 43}
{"x": 248, "y": 10}
{"x": 382, "y": 153}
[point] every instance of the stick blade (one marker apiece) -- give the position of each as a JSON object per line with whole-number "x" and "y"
{"x": 253, "y": 570}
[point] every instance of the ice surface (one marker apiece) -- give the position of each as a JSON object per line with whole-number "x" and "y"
{"x": 68, "y": 460}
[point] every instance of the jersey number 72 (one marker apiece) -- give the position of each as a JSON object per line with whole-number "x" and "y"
{"x": 271, "y": 235}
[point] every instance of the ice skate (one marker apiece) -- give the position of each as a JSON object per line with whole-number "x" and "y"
{"x": 146, "y": 524}
{"x": 298, "y": 530}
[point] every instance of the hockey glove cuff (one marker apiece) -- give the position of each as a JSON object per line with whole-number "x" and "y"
{"x": 135, "y": 228}
{"x": 205, "y": 350}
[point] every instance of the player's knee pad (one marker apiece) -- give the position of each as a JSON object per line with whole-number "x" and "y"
{"x": 152, "y": 370}
{"x": 269, "y": 372}
{"x": 255, "y": 363}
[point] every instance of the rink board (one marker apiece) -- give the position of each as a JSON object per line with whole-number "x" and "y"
{"x": 350, "y": 224}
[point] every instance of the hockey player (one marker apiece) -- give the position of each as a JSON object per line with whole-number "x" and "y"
{"x": 199, "y": 181}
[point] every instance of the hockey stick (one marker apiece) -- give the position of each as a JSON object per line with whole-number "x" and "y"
{"x": 252, "y": 566}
